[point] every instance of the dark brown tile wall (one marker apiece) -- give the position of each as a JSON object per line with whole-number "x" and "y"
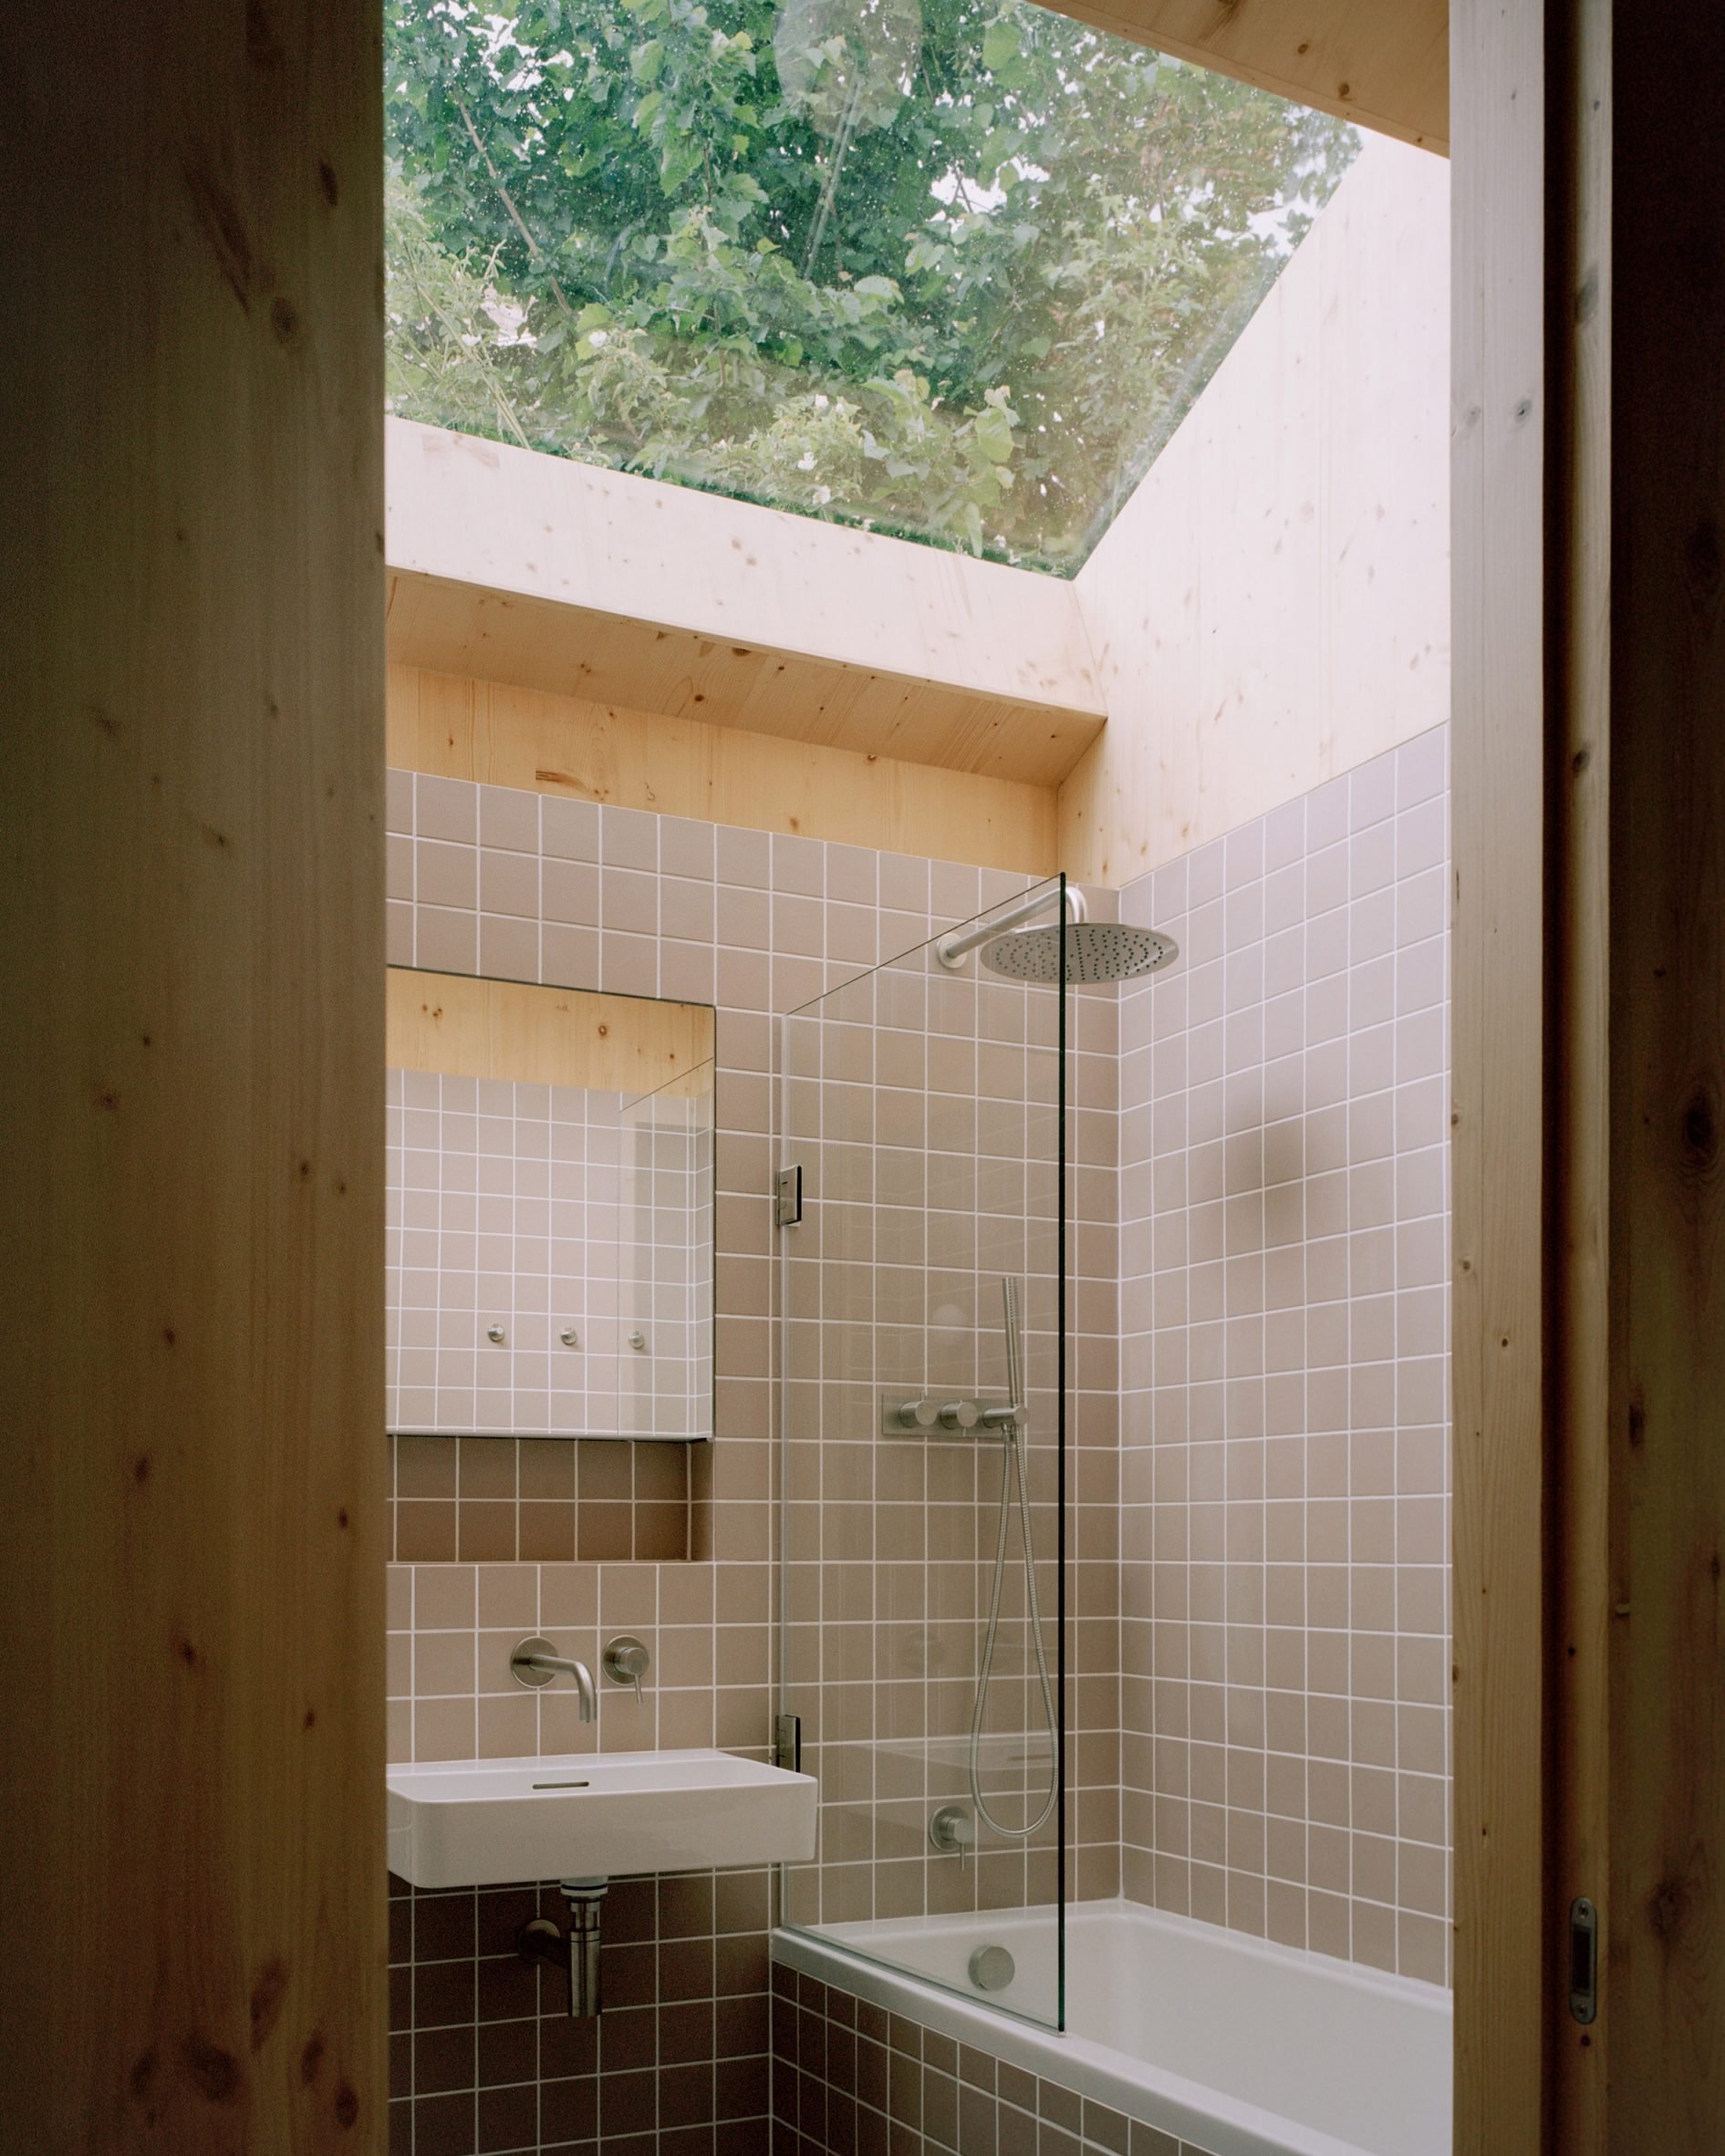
{"x": 851, "y": 2080}
{"x": 506, "y": 1500}
{"x": 483, "y": 2057}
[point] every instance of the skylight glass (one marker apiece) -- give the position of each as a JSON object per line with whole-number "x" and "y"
{"x": 950, "y": 269}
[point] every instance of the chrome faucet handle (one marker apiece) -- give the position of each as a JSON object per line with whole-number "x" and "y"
{"x": 951, "y": 1831}
{"x": 536, "y": 1662}
{"x": 960, "y": 1414}
{"x": 626, "y": 1661}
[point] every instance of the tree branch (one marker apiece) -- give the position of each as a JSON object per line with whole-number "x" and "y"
{"x": 534, "y": 248}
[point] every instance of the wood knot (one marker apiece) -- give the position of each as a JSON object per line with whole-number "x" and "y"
{"x": 311, "y": 2057}
{"x": 1637, "y": 1423}
{"x": 263, "y": 48}
{"x": 214, "y": 2073}
{"x": 1666, "y": 1907}
{"x": 347, "y": 2107}
{"x": 142, "y": 2077}
{"x": 1700, "y": 1126}
{"x": 327, "y": 180}
{"x": 284, "y": 319}
{"x": 267, "y": 1995}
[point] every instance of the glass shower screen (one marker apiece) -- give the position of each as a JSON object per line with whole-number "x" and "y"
{"x": 923, "y": 1376}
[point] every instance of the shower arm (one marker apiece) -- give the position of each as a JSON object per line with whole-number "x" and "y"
{"x": 955, "y": 949}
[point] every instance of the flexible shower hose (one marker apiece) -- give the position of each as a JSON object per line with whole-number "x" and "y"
{"x": 1013, "y": 1468}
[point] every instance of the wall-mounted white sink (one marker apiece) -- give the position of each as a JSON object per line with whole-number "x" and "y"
{"x": 487, "y": 1822}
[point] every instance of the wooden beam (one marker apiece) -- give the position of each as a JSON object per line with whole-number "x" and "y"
{"x": 1502, "y": 2005}
{"x": 1580, "y": 1295}
{"x": 192, "y": 1926}
{"x": 516, "y": 1029}
{"x": 1382, "y": 64}
{"x": 1271, "y": 606}
{"x": 460, "y": 728}
{"x": 1654, "y": 1581}
{"x": 547, "y": 573}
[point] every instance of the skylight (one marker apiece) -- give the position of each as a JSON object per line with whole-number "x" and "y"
{"x": 949, "y": 269}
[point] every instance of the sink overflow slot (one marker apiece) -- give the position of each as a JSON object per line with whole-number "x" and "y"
{"x": 563, "y": 1785}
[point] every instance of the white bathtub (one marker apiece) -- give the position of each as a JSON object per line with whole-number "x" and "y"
{"x": 1238, "y": 2047}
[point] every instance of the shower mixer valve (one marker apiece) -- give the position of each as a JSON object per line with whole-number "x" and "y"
{"x": 933, "y": 1414}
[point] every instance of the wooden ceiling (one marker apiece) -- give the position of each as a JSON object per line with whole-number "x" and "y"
{"x": 649, "y": 666}
{"x": 1382, "y": 64}
{"x": 550, "y": 575}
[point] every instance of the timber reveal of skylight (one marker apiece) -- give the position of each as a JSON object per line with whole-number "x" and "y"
{"x": 946, "y": 270}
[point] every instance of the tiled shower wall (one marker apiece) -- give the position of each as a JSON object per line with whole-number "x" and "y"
{"x": 566, "y": 1538}
{"x": 1284, "y": 1448}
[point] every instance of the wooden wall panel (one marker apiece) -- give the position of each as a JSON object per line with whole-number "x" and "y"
{"x": 1665, "y": 1901}
{"x": 1384, "y": 64}
{"x": 1585, "y": 1602}
{"x": 1270, "y": 607}
{"x": 1498, "y": 1100}
{"x": 506, "y": 736}
{"x": 192, "y": 1912}
{"x": 518, "y": 1031}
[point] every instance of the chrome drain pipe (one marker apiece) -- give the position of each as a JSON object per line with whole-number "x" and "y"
{"x": 576, "y": 1952}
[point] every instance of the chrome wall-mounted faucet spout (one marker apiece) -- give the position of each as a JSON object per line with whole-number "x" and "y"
{"x": 536, "y": 1662}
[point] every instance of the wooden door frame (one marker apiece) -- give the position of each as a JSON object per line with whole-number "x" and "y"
{"x": 1499, "y": 766}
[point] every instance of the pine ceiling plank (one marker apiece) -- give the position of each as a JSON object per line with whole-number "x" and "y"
{"x": 1382, "y": 64}
{"x": 516, "y": 567}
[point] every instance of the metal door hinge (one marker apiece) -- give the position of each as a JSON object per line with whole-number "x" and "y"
{"x": 787, "y": 1743}
{"x": 1583, "y": 1959}
{"x": 787, "y": 1196}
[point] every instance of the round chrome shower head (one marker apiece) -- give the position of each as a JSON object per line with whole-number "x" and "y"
{"x": 1096, "y": 951}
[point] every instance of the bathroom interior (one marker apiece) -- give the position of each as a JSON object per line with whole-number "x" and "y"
{"x": 863, "y": 1193}
{"x": 917, "y": 1233}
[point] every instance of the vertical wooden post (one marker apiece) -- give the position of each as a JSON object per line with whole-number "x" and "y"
{"x": 191, "y": 983}
{"x": 1653, "y": 1581}
{"x": 1497, "y": 389}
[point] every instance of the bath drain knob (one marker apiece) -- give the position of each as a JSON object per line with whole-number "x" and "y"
{"x": 992, "y": 1968}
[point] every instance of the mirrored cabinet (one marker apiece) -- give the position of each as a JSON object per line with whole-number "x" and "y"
{"x": 550, "y": 1212}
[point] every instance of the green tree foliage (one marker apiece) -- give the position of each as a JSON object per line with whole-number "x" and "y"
{"x": 948, "y": 268}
